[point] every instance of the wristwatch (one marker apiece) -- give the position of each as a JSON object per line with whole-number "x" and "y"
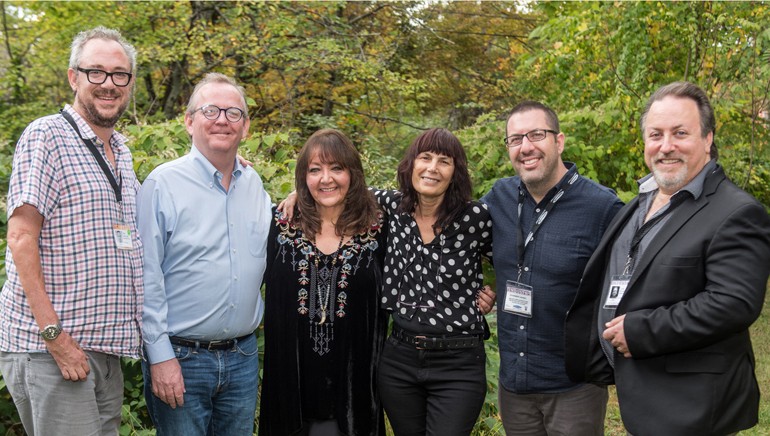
{"x": 50, "y": 332}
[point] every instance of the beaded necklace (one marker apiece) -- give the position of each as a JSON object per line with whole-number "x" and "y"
{"x": 324, "y": 284}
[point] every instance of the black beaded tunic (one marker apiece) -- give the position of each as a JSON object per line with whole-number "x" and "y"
{"x": 316, "y": 370}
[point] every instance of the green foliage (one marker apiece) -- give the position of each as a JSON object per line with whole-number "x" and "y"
{"x": 383, "y": 71}
{"x": 10, "y": 423}
{"x": 135, "y": 419}
{"x": 487, "y": 155}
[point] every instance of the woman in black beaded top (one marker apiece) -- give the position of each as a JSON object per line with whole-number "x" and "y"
{"x": 324, "y": 329}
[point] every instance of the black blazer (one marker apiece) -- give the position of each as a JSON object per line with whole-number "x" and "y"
{"x": 689, "y": 304}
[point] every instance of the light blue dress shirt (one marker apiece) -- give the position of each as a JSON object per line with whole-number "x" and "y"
{"x": 204, "y": 253}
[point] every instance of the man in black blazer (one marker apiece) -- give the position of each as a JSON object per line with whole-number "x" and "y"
{"x": 666, "y": 300}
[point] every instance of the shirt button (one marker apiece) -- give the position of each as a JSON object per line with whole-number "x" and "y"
{"x": 537, "y": 210}
{"x": 521, "y": 327}
{"x": 233, "y": 250}
{"x": 235, "y": 278}
{"x": 521, "y": 354}
{"x": 526, "y": 268}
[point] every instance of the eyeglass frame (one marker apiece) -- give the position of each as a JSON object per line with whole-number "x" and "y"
{"x": 220, "y": 110}
{"x": 107, "y": 75}
{"x": 521, "y": 136}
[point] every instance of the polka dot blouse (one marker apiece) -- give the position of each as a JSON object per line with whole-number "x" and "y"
{"x": 431, "y": 287}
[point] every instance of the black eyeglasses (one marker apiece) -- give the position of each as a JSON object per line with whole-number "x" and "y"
{"x": 211, "y": 112}
{"x": 97, "y": 77}
{"x": 536, "y": 135}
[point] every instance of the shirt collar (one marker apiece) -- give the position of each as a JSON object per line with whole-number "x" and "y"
{"x": 571, "y": 171}
{"x": 88, "y": 133}
{"x": 647, "y": 184}
{"x": 208, "y": 172}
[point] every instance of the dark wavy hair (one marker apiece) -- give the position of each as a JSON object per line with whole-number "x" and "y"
{"x": 458, "y": 194}
{"x": 360, "y": 208}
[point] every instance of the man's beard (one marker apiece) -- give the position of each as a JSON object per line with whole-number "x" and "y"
{"x": 671, "y": 181}
{"x": 94, "y": 117}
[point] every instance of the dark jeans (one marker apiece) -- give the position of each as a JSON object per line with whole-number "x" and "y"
{"x": 432, "y": 392}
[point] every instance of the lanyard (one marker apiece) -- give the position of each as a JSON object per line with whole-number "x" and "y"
{"x": 116, "y": 186}
{"x": 642, "y": 231}
{"x": 523, "y": 242}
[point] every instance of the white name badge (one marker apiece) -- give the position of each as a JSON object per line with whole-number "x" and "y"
{"x": 618, "y": 286}
{"x": 122, "y": 235}
{"x": 518, "y": 299}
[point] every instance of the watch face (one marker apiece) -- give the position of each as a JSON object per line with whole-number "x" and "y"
{"x": 51, "y": 332}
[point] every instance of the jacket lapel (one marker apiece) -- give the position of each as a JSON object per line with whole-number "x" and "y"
{"x": 604, "y": 249}
{"x": 679, "y": 217}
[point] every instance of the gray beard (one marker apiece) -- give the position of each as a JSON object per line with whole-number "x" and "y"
{"x": 95, "y": 118}
{"x": 672, "y": 182}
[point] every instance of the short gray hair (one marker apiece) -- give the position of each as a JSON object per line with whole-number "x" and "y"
{"x": 100, "y": 32}
{"x": 693, "y": 92}
{"x": 217, "y": 78}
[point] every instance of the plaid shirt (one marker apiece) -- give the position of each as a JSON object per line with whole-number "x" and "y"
{"x": 96, "y": 288}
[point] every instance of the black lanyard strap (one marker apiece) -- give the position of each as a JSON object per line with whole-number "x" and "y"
{"x": 642, "y": 231}
{"x": 116, "y": 185}
{"x": 521, "y": 241}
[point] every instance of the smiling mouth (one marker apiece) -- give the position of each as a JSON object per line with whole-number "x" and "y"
{"x": 668, "y": 161}
{"x": 429, "y": 179}
{"x": 529, "y": 162}
{"x": 327, "y": 189}
{"x": 107, "y": 96}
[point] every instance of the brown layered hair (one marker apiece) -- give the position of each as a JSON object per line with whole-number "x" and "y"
{"x": 360, "y": 210}
{"x": 458, "y": 194}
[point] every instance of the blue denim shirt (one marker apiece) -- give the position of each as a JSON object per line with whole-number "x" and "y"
{"x": 532, "y": 349}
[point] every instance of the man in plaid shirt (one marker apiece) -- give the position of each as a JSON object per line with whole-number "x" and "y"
{"x": 72, "y": 303}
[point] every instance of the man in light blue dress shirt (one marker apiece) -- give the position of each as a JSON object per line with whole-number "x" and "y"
{"x": 204, "y": 220}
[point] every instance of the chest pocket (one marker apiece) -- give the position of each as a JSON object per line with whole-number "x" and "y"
{"x": 562, "y": 255}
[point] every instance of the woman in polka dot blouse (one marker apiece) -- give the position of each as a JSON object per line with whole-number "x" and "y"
{"x": 432, "y": 376}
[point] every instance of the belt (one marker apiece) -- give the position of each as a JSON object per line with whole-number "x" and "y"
{"x": 223, "y": 344}
{"x": 422, "y": 342}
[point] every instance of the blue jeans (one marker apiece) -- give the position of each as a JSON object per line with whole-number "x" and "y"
{"x": 221, "y": 396}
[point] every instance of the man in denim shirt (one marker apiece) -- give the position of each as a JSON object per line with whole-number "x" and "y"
{"x": 547, "y": 221}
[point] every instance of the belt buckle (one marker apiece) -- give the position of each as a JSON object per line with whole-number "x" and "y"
{"x": 214, "y": 344}
{"x": 417, "y": 341}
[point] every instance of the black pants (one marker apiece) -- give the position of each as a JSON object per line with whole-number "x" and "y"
{"x": 432, "y": 392}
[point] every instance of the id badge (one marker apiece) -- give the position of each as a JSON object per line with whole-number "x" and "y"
{"x": 122, "y": 235}
{"x": 618, "y": 286}
{"x": 518, "y": 299}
